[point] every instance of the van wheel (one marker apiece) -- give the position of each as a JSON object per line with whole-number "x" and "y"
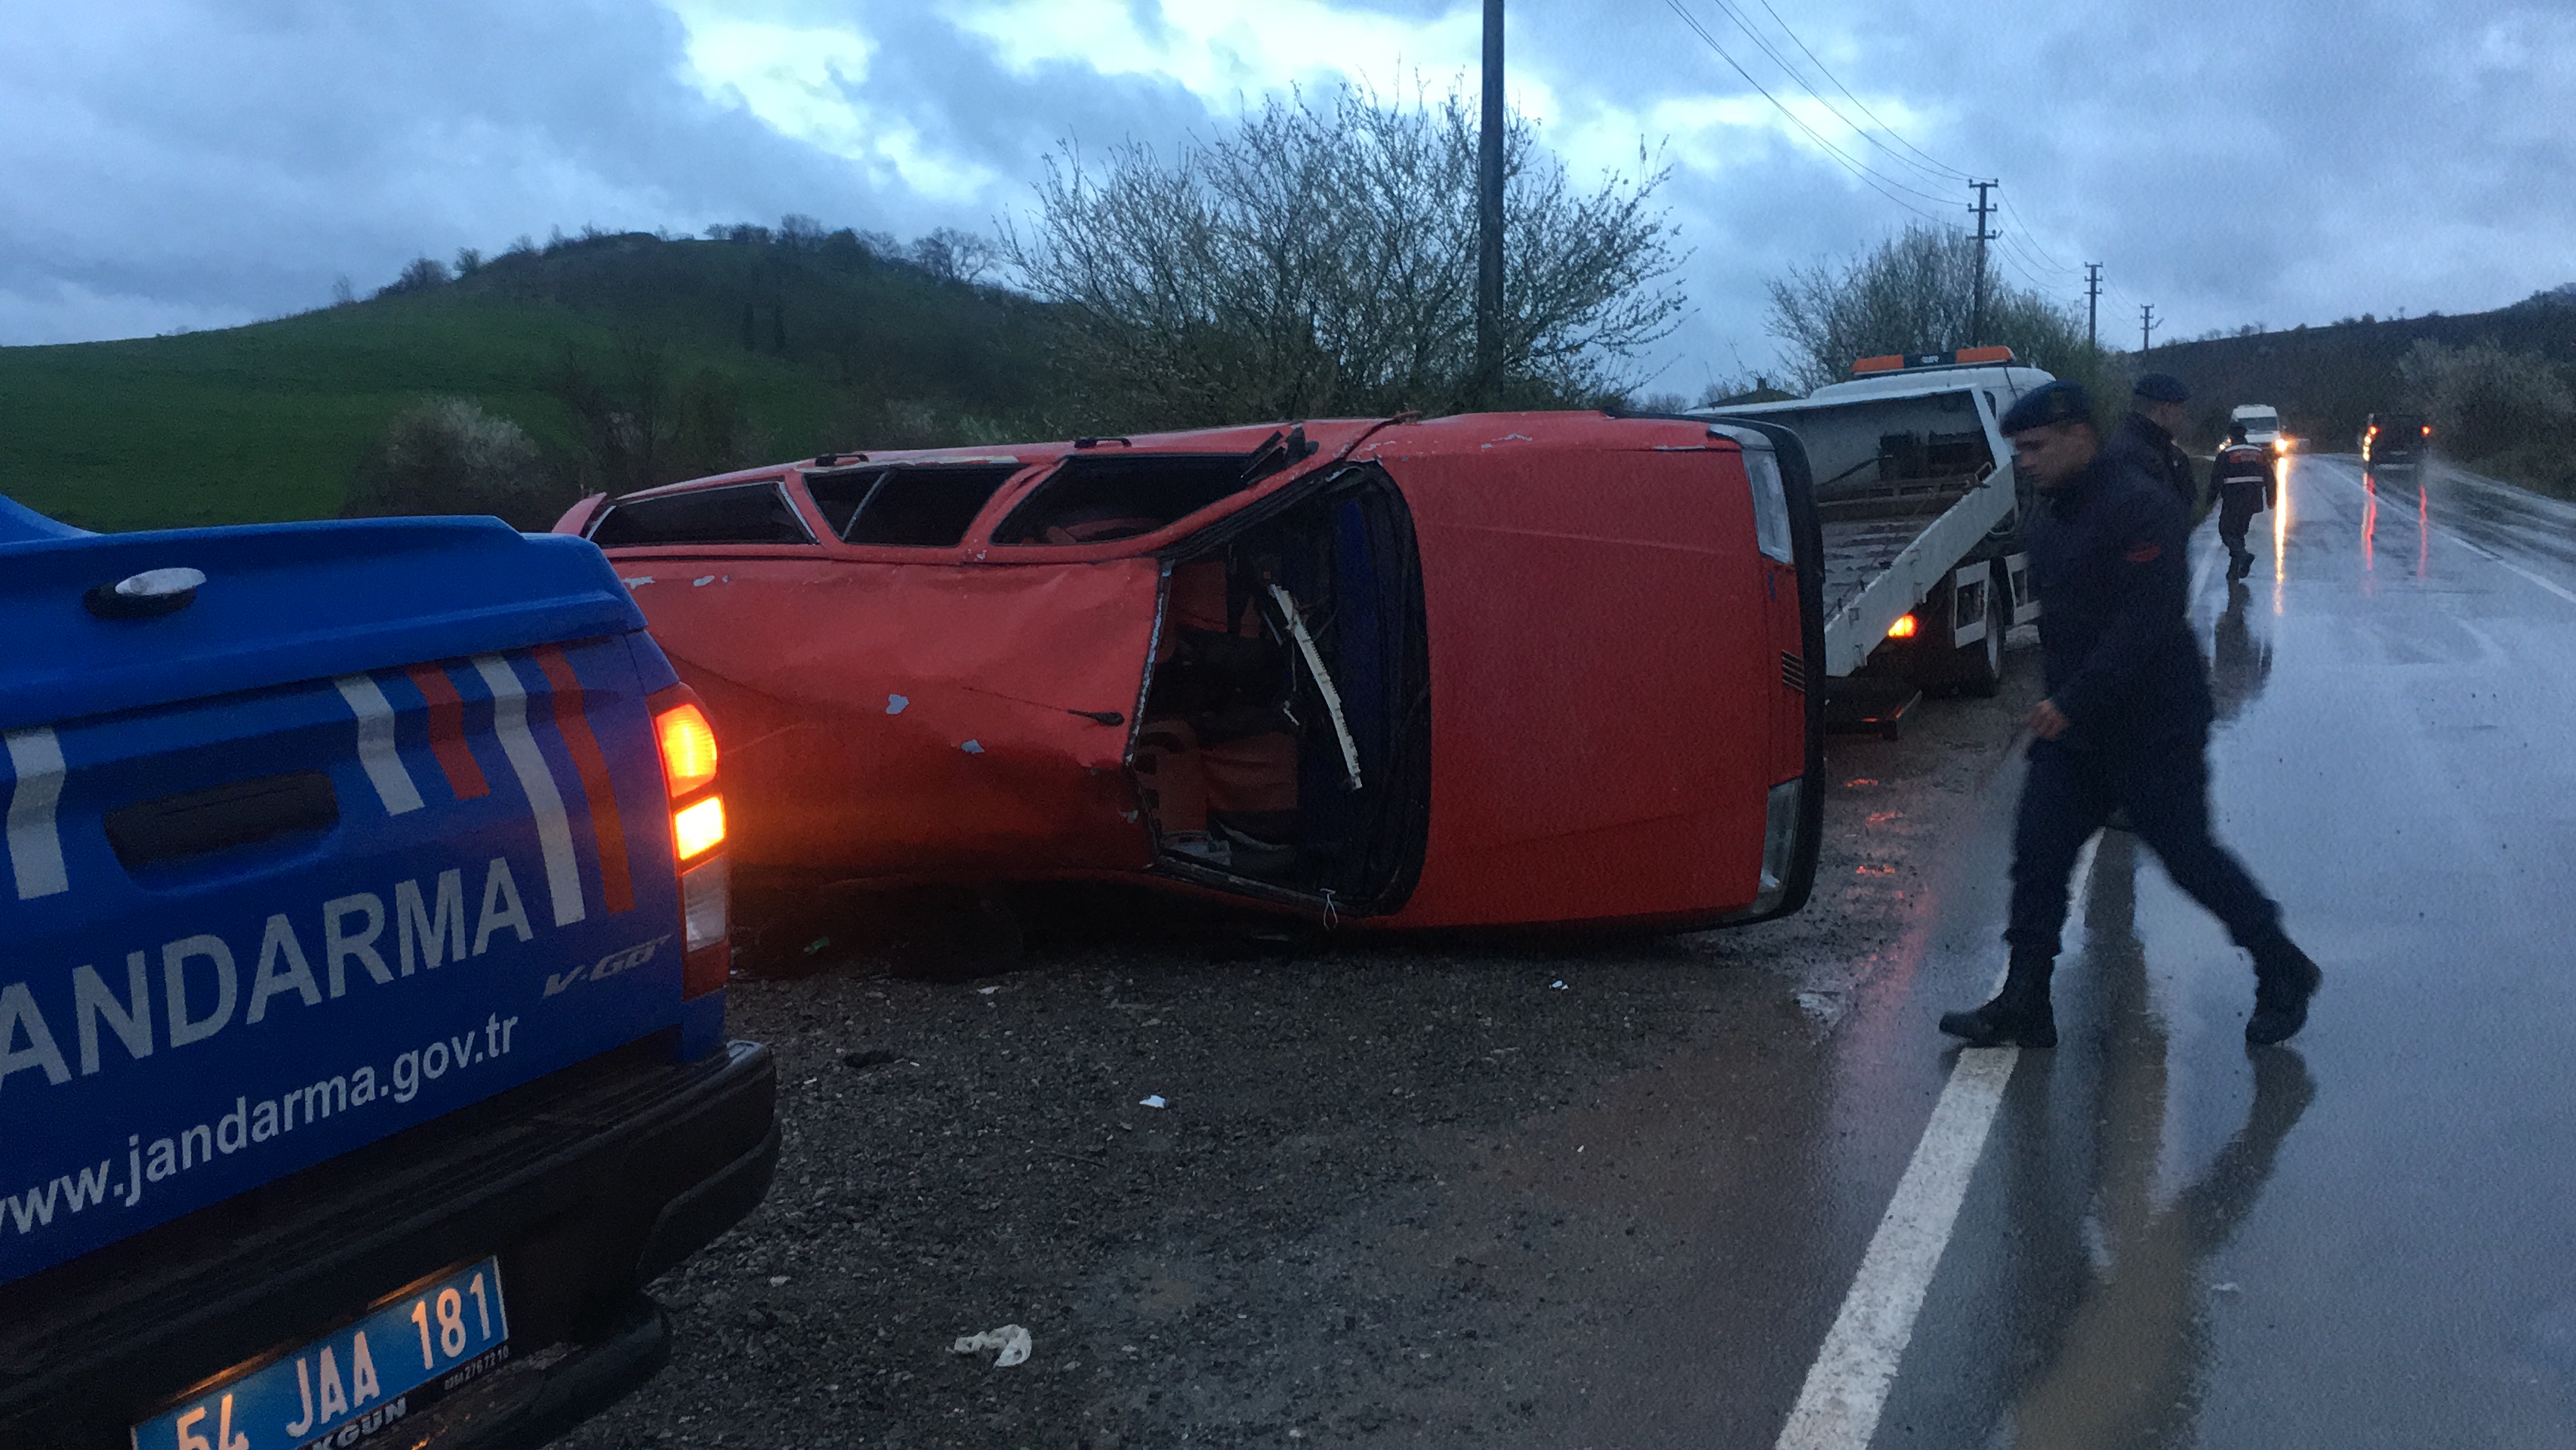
{"x": 1981, "y": 665}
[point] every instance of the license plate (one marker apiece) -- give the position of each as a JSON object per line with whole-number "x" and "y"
{"x": 355, "y": 1381}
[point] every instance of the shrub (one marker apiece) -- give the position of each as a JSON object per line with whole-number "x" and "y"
{"x": 2486, "y": 402}
{"x": 449, "y": 456}
{"x": 423, "y": 275}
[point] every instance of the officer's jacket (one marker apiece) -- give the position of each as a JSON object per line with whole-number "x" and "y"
{"x": 2240, "y": 464}
{"x": 2147, "y": 446}
{"x": 2107, "y": 557}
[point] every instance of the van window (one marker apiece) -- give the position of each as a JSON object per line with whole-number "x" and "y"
{"x": 926, "y": 506}
{"x": 1095, "y": 497}
{"x": 736, "y": 513}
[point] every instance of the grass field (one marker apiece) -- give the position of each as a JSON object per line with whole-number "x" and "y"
{"x": 271, "y": 421}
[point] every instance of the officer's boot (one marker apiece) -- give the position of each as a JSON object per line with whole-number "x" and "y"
{"x": 2284, "y": 980}
{"x": 2020, "y": 1014}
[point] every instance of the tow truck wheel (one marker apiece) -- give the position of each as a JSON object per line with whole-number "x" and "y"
{"x": 1981, "y": 665}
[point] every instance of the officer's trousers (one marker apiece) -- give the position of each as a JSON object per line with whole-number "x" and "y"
{"x": 2066, "y": 796}
{"x": 2237, "y": 505}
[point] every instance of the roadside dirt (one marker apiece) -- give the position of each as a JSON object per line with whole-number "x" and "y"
{"x": 1363, "y": 1213}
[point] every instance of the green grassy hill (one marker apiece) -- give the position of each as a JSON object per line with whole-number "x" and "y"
{"x": 825, "y": 343}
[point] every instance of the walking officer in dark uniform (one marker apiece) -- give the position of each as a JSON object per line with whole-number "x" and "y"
{"x": 2240, "y": 476}
{"x": 2125, "y": 723}
{"x": 2146, "y": 437}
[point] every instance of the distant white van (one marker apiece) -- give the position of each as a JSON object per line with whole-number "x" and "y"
{"x": 2262, "y": 426}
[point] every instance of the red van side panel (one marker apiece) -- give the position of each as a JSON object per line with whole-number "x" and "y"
{"x": 1604, "y": 674}
{"x": 892, "y": 720}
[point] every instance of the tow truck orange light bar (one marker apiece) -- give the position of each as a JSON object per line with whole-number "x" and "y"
{"x": 1904, "y": 627}
{"x": 1966, "y": 356}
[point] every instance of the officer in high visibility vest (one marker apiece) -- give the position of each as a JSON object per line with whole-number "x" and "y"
{"x": 2240, "y": 475}
{"x": 2125, "y": 724}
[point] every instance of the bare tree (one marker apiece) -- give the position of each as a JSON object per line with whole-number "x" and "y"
{"x": 953, "y": 255}
{"x": 1321, "y": 259}
{"x": 1914, "y": 294}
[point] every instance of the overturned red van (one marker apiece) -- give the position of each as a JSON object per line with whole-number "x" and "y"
{"x": 1488, "y": 670}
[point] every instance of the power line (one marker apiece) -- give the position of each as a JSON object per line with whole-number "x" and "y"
{"x": 2033, "y": 233}
{"x": 1867, "y": 176}
{"x": 1791, "y": 72}
{"x": 1936, "y": 166}
{"x": 2033, "y": 269}
{"x": 2023, "y": 251}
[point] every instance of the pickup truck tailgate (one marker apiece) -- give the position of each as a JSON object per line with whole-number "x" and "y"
{"x": 367, "y": 828}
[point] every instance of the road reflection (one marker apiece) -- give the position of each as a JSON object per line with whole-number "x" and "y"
{"x": 2369, "y": 516}
{"x": 2240, "y": 662}
{"x": 2130, "y": 1362}
{"x": 2280, "y": 531}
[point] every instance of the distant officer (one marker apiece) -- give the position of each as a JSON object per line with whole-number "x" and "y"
{"x": 2146, "y": 437}
{"x": 2239, "y": 475}
{"x": 2125, "y": 723}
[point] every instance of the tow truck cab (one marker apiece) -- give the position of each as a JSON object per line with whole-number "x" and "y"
{"x": 362, "y": 950}
{"x": 1920, "y": 512}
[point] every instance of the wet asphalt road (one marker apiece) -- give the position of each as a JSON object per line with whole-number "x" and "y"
{"x": 1615, "y": 1195}
{"x": 2363, "y": 1240}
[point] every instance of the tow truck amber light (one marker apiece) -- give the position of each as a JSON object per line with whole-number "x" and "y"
{"x": 698, "y": 828}
{"x": 688, "y": 749}
{"x": 1904, "y": 627}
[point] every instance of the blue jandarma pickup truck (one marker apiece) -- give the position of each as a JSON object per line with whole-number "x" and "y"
{"x": 362, "y": 953}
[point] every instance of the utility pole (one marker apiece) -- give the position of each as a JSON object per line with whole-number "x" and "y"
{"x": 2146, "y": 327}
{"x": 2093, "y": 305}
{"x": 1489, "y": 214}
{"x": 1977, "y": 310}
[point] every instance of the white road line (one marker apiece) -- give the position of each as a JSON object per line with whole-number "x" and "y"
{"x": 2534, "y": 578}
{"x": 554, "y": 833}
{"x": 1839, "y": 1405}
{"x": 35, "y": 843}
{"x": 376, "y": 743}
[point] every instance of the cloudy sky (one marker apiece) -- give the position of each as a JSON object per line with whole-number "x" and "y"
{"x": 201, "y": 163}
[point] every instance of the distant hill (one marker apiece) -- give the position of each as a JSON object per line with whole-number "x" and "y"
{"x": 824, "y": 341}
{"x": 2327, "y": 380}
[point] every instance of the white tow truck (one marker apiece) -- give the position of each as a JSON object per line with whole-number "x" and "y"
{"x": 1921, "y": 512}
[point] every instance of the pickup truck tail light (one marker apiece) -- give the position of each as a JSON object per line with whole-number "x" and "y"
{"x": 688, "y": 745}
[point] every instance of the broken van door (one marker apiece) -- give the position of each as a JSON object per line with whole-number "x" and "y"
{"x": 1283, "y": 751}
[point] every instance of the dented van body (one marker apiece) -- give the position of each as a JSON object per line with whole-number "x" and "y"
{"x": 1493, "y": 670}
{"x": 347, "y": 946}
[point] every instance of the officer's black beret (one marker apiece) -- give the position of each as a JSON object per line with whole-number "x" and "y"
{"x": 2052, "y": 402}
{"x": 2162, "y": 388}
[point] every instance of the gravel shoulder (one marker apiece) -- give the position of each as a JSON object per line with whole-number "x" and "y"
{"x": 1419, "y": 1192}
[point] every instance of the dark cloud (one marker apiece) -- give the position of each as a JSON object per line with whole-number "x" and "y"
{"x": 200, "y": 162}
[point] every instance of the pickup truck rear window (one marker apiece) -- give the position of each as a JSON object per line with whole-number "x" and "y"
{"x": 920, "y": 507}
{"x": 741, "y": 513}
